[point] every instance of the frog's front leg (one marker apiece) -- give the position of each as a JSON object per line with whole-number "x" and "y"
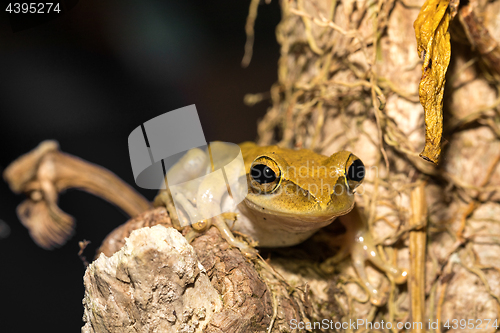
{"x": 164, "y": 199}
{"x": 360, "y": 244}
{"x": 212, "y": 191}
{"x": 193, "y": 164}
{"x": 226, "y": 233}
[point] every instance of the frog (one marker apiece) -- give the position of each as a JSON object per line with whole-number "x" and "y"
{"x": 291, "y": 195}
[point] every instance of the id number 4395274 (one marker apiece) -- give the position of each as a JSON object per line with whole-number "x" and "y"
{"x": 33, "y": 7}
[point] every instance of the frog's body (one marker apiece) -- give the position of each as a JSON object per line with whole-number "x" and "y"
{"x": 291, "y": 194}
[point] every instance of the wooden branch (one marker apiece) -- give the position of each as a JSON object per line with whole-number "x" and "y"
{"x": 45, "y": 172}
{"x": 249, "y": 302}
{"x": 416, "y": 281}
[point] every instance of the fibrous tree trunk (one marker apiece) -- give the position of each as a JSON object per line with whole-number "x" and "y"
{"x": 348, "y": 79}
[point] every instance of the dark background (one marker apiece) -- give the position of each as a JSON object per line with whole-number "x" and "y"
{"x": 87, "y": 79}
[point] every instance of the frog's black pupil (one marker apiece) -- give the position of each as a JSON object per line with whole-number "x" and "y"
{"x": 356, "y": 171}
{"x": 262, "y": 174}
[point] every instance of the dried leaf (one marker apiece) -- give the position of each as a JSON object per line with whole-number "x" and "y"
{"x": 433, "y": 43}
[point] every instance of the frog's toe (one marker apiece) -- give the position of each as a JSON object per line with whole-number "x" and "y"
{"x": 246, "y": 249}
{"x": 398, "y": 275}
{"x": 377, "y": 298}
{"x": 249, "y": 252}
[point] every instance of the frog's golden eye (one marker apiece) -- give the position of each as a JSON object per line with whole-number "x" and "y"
{"x": 265, "y": 175}
{"x": 355, "y": 172}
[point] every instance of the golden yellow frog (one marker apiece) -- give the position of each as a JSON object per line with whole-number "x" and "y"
{"x": 291, "y": 195}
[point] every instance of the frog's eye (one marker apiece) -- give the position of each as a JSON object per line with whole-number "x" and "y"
{"x": 355, "y": 172}
{"x": 265, "y": 175}
{"x": 262, "y": 174}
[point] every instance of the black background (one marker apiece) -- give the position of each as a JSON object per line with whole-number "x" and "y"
{"x": 87, "y": 79}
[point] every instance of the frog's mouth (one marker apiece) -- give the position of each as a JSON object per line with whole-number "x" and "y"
{"x": 313, "y": 214}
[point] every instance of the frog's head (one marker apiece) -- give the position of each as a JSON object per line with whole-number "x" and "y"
{"x": 302, "y": 184}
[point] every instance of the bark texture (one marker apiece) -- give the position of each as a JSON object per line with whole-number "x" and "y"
{"x": 155, "y": 283}
{"x": 253, "y": 295}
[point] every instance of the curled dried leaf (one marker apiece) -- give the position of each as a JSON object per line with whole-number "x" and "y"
{"x": 433, "y": 43}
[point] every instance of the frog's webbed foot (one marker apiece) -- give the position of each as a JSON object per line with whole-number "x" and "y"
{"x": 360, "y": 244}
{"x": 226, "y": 233}
{"x": 363, "y": 249}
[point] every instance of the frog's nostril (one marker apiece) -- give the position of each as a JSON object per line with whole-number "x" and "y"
{"x": 338, "y": 190}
